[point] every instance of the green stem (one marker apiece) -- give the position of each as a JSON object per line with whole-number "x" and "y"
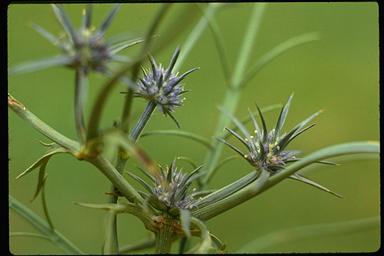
{"x": 136, "y": 131}
{"x": 42, "y": 226}
{"x": 40, "y": 126}
{"x": 164, "y": 237}
{"x": 122, "y": 158}
{"x": 232, "y": 95}
{"x": 80, "y": 93}
{"x": 111, "y": 243}
{"x": 195, "y": 34}
{"x": 116, "y": 178}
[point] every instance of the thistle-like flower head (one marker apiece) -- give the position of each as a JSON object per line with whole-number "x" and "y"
{"x": 266, "y": 150}
{"x": 85, "y": 48}
{"x": 171, "y": 189}
{"x": 163, "y": 86}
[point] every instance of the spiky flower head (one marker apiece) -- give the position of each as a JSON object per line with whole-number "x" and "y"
{"x": 162, "y": 86}
{"x": 266, "y": 150}
{"x": 85, "y": 48}
{"x": 171, "y": 189}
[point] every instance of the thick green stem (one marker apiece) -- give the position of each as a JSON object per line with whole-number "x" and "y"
{"x": 164, "y": 237}
{"x": 116, "y": 178}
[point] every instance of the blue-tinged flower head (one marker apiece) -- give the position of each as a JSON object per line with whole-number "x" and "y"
{"x": 171, "y": 189}
{"x": 266, "y": 150}
{"x": 163, "y": 86}
{"x": 85, "y": 48}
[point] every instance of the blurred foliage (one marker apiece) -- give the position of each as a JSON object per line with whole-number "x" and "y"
{"x": 338, "y": 74}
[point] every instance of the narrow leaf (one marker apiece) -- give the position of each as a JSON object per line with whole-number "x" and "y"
{"x": 108, "y": 20}
{"x": 282, "y": 117}
{"x": 188, "y": 160}
{"x": 45, "y": 206}
{"x": 141, "y": 181}
{"x": 265, "y": 131}
{"x": 87, "y": 17}
{"x": 236, "y": 122}
{"x": 232, "y": 147}
{"x": 277, "y": 51}
{"x": 41, "y": 160}
{"x": 180, "y": 133}
{"x": 116, "y": 48}
{"x": 250, "y": 117}
{"x": 237, "y": 136}
{"x": 172, "y": 63}
{"x": 222, "y": 163}
{"x": 42, "y": 178}
{"x": 44, "y": 33}
{"x": 28, "y": 234}
{"x": 66, "y": 23}
{"x": 301, "y": 178}
{"x": 39, "y": 65}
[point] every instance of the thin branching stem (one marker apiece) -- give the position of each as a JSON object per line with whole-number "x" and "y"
{"x": 232, "y": 95}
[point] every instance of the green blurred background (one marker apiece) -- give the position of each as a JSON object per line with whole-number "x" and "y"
{"x": 339, "y": 74}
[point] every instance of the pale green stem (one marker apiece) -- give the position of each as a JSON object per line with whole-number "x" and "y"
{"x": 42, "y": 226}
{"x": 111, "y": 243}
{"x": 232, "y": 95}
{"x": 195, "y": 34}
{"x": 304, "y": 232}
{"x": 143, "y": 120}
{"x": 164, "y": 238}
{"x": 80, "y": 93}
{"x": 122, "y": 158}
{"x": 116, "y": 178}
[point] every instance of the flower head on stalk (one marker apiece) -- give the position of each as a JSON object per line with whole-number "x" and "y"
{"x": 267, "y": 150}
{"x": 162, "y": 86}
{"x": 170, "y": 190}
{"x": 85, "y": 48}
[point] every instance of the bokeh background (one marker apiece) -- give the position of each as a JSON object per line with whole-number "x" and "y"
{"x": 338, "y": 74}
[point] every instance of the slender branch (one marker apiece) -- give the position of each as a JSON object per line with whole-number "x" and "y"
{"x": 196, "y": 33}
{"x": 111, "y": 243}
{"x": 136, "y": 131}
{"x": 116, "y": 178}
{"x": 122, "y": 158}
{"x": 232, "y": 95}
{"x": 80, "y": 94}
{"x": 41, "y": 225}
{"x": 42, "y": 127}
